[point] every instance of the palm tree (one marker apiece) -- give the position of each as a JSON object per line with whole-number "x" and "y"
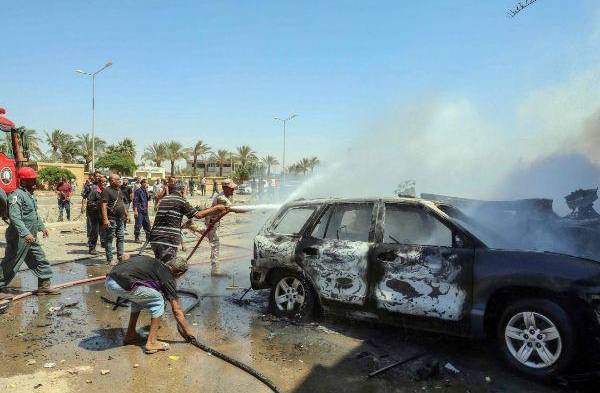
{"x": 69, "y": 150}
{"x": 221, "y": 158}
{"x": 174, "y": 152}
{"x": 57, "y": 141}
{"x": 200, "y": 150}
{"x": 84, "y": 148}
{"x": 313, "y": 162}
{"x": 246, "y": 154}
{"x": 156, "y": 153}
{"x": 303, "y": 165}
{"x": 127, "y": 147}
{"x": 294, "y": 168}
{"x": 269, "y": 161}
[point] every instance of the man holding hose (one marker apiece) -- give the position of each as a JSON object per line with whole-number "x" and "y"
{"x": 165, "y": 236}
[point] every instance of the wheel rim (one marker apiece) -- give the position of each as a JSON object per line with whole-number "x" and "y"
{"x": 533, "y": 339}
{"x": 290, "y": 294}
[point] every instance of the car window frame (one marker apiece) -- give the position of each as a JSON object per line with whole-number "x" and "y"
{"x": 326, "y": 208}
{"x": 425, "y": 210}
{"x": 277, "y": 220}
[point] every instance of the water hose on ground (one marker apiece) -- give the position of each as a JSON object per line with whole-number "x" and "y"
{"x": 192, "y": 340}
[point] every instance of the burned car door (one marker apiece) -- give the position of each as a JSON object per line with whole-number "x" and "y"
{"x": 276, "y": 243}
{"x": 335, "y": 253}
{"x": 421, "y": 266}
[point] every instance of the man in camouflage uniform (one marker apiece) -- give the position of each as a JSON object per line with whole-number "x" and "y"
{"x": 222, "y": 198}
{"x": 21, "y": 236}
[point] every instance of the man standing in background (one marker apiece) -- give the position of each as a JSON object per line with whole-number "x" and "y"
{"x": 127, "y": 192}
{"x": 91, "y": 196}
{"x": 156, "y": 191}
{"x": 192, "y": 185}
{"x": 140, "y": 210}
{"x": 63, "y": 191}
{"x": 215, "y": 188}
{"x": 114, "y": 216}
{"x": 203, "y": 186}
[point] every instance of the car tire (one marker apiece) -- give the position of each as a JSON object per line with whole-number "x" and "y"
{"x": 537, "y": 337}
{"x": 292, "y": 296}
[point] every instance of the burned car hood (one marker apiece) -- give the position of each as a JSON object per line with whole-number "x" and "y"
{"x": 540, "y": 264}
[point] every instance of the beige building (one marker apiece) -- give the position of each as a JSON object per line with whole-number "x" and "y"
{"x": 150, "y": 172}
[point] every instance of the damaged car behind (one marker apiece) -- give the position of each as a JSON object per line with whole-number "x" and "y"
{"x": 414, "y": 263}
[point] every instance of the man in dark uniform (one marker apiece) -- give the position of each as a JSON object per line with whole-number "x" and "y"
{"x": 91, "y": 197}
{"x": 127, "y": 192}
{"x": 140, "y": 210}
{"x": 165, "y": 236}
{"x": 21, "y": 236}
{"x": 114, "y": 216}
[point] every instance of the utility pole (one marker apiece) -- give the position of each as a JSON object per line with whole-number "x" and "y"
{"x": 284, "y": 121}
{"x": 93, "y": 76}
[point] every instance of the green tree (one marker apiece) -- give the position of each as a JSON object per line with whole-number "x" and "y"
{"x": 244, "y": 171}
{"x": 246, "y": 154}
{"x": 84, "y": 148}
{"x": 156, "y": 153}
{"x": 60, "y": 144}
{"x": 269, "y": 162}
{"x": 175, "y": 152}
{"x": 117, "y": 162}
{"x": 33, "y": 143}
{"x": 125, "y": 147}
{"x": 199, "y": 151}
{"x": 312, "y": 163}
{"x": 51, "y": 175}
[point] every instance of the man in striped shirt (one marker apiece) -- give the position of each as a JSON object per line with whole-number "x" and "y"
{"x": 165, "y": 236}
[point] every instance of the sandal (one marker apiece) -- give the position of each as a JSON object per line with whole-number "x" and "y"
{"x": 165, "y": 347}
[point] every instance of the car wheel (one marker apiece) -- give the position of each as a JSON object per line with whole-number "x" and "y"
{"x": 292, "y": 296}
{"x": 537, "y": 337}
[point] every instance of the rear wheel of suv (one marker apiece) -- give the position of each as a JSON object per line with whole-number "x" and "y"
{"x": 292, "y": 296}
{"x": 537, "y": 337}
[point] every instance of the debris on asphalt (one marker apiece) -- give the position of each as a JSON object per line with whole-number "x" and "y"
{"x": 136, "y": 365}
{"x": 429, "y": 368}
{"x": 39, "y": 385}
{"x": 88, "y": 381}
{"x": 49, "y": 365}
{"x": 450, "y": 367}
{"x": 398, "y": 363}
{"x": 104, "y": 372}
{"x": 174, "y": 357}
{"x": 31, "y": 362}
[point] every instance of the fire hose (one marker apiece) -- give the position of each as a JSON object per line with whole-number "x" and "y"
{"x": 192, "y": 340}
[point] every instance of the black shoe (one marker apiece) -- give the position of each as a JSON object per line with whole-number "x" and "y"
{"x": 93, "y": 251}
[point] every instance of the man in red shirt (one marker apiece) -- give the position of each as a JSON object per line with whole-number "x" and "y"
{"x": 64, "y": 191}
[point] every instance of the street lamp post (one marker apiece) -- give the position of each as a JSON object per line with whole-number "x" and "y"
{"x": 93, "y": 75}
{"x": 284, "y": 121}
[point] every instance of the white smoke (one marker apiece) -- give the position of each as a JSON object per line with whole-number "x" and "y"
{"x": 449, "y": 147}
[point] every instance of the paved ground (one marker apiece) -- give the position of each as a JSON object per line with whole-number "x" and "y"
{"x": 326, "y": 356}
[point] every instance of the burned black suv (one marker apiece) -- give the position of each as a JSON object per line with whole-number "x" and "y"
{"x": 418, "y": 263}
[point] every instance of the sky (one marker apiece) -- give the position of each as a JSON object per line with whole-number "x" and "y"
{"x": 220, "y": 71}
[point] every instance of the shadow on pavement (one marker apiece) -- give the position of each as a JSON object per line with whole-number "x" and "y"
{"x": 103, "y": 340}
